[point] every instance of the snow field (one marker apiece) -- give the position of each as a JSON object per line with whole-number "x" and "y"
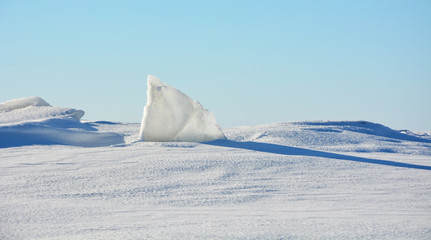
{"x": 222, "y": 190}
{"x": 62, "y": 178}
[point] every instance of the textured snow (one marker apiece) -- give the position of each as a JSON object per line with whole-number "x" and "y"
{"x": 300, "y": 180}
{"x": 171, "y": 115}
{"x": 29, "y": 121}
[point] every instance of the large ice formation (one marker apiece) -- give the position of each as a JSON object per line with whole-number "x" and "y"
{"x": 171, "y": 115}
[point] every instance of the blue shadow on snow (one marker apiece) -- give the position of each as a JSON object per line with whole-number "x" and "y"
{"x": 295, "y": 151}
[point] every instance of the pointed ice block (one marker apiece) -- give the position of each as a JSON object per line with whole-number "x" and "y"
{"x": 171, "y": 115}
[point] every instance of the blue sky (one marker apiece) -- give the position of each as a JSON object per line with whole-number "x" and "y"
{"x": 249, "y": 62}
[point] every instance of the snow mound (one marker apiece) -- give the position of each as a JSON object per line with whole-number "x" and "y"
{"x": 31, "y": 121}
{"x": 22, "y": 103}
{"x": 171, "y": 115}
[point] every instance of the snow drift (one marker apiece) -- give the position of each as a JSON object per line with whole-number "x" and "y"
{"x": 31, "y": 120}
{"x": 171, "y": 115}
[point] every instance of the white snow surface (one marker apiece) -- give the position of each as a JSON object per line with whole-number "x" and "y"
{"x": 297, "y": 180}
{"x": 29, "y": 121}
{"x": 171, "y": 115}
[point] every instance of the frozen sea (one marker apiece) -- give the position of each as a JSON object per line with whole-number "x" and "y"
{"x": 292, "y": 180}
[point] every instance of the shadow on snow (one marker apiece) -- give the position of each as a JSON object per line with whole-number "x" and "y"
{"x": 292, "y": 151}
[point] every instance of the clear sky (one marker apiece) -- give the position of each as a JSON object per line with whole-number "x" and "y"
{"x": 249, "y": 62}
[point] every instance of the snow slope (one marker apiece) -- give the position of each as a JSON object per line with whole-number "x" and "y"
{"x": 306, "y": 180}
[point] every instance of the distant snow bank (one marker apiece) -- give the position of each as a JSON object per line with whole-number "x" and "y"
{"x": 19, "y": 103}
{"x": 171, "y": 115}
{"x": 30, "y": 121}
{"x": 340, "y": 136}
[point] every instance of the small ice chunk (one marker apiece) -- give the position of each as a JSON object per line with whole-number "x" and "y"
{"x": 171, "y": 115}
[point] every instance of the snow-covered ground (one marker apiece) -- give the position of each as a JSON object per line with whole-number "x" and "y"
{"x": 322, "y": 180}
{"x": 63, "y": 178}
